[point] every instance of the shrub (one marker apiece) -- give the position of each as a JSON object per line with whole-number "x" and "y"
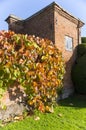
{"x": 83, "y": 39}
{"x": 79, "y": 72}
{"x": 33, "y": 62}
{"x": 81, "y": 49}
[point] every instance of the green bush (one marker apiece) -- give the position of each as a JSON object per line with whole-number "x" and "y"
{"x": 83, "y": 40}
{"x": 81, "y": 49}
{"x": 79, "y": 75}
{"x": 34, "y": 63}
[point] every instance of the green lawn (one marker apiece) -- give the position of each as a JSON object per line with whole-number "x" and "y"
{"x": 70, "y": 114}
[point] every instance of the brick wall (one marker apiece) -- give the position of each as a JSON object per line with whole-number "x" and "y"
{"x": 64, "y": 27}
{"x": 41, "y": 24}
{"x": 15, "y": 24}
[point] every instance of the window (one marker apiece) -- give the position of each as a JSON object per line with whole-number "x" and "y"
{"x": 68, "y": 43}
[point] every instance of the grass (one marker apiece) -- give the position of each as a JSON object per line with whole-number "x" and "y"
{"x": 70, "y": 114}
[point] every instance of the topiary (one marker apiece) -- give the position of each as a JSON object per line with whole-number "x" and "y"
{"x": 83, "y": 40}
{"x": 79, "y": 75}
{"x": 81, "y": 49}
{"x": 34, "y": 63}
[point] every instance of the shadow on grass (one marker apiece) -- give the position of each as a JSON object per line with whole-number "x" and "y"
{"x": 77, "y": 101}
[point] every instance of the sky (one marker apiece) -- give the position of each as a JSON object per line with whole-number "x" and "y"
{"x": 26, "y": 8}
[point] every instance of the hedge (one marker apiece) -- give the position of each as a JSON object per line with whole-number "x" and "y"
{"x": 79, "y": 70}
{"x": 34, "y": 63}
{"x": 81, "y": 50}
{"x": 83, "y": 40}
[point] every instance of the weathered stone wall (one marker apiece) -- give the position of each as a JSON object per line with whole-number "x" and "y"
{"x": 12, "y": 102}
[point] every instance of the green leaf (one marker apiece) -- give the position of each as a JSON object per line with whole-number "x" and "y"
{"x": 1, "y": 83}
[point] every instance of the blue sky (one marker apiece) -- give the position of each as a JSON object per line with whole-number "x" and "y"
{"x": 25, "y": 8}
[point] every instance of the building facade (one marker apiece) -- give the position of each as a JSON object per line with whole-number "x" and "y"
{"x": 56, "y": 24}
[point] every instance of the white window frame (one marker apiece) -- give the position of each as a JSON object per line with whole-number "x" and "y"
{"x": 68, "y": 43}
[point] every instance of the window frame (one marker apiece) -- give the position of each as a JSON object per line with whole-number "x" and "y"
{"x": 68, "y": 40}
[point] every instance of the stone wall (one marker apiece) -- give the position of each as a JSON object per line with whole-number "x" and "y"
{"x": 13, "y": 102}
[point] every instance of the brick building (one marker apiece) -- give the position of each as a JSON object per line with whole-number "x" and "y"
{"x": 56, "y": 24}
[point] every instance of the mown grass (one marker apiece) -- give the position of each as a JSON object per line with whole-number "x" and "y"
{"x": 70, "y": 114}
